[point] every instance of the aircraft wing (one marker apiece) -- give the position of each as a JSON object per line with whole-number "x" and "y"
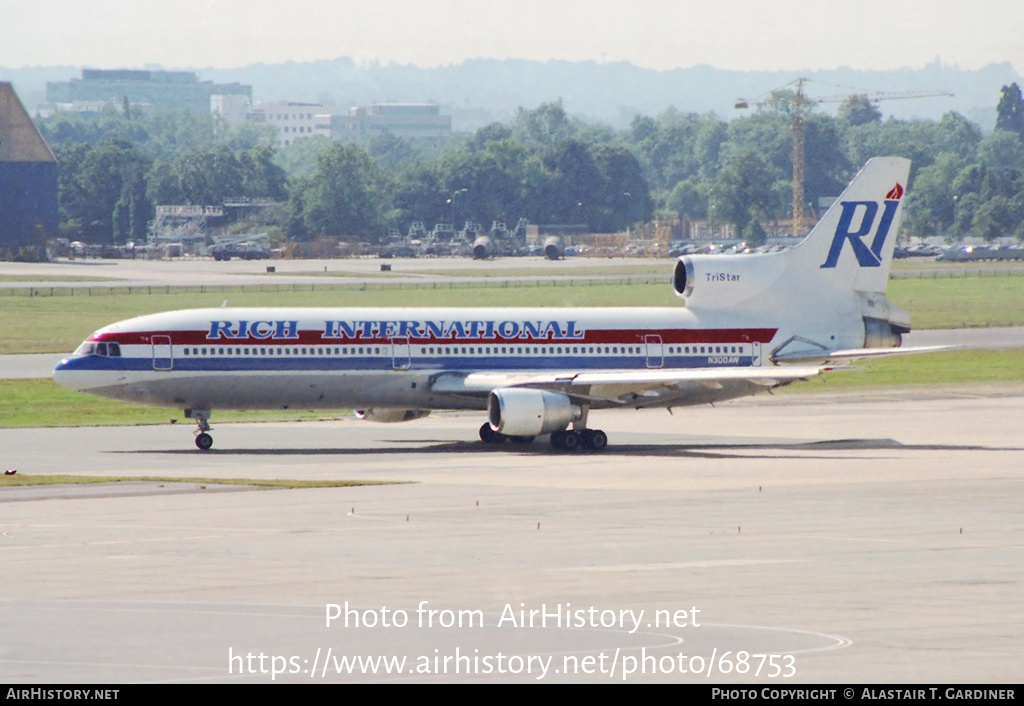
{"x": 635, "y": 388}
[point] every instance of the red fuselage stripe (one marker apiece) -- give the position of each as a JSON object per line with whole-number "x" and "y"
{"x": 591, "y": 337}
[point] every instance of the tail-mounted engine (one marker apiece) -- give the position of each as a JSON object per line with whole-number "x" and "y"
{"x": 725, "y": 280}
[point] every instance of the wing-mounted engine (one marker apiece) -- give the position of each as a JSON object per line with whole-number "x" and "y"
{"x": 517, "y": 411}
{"x": 387, "y": 415}
{"x": 725, "y": 281}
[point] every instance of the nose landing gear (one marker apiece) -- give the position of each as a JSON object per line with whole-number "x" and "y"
{"x": 204, "y": 442}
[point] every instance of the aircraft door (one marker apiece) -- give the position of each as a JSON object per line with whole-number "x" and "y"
{"x": 655, "y": 351}
{"x": 163, "y": 358}
{"x": 401, "y": 353}
{"x": 756, "y": 353}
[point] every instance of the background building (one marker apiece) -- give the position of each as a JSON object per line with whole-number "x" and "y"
{"x": 409, "y": 120}
{"x": 28, "y": 180}
{"x": 233, "y": 108}
{"x": 294, "y": 121}
{"x": 158, "y": 89}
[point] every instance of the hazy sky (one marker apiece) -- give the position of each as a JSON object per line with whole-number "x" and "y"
{"x": 660, "y": 34}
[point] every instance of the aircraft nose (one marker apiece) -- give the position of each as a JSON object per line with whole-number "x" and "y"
{"x": 64, "y": 375}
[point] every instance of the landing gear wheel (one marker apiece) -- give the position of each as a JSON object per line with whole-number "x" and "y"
{"x": 489, "y": 436}
{"x": 594, "y": 439}
{"x": 204, "y": 441}
{"x": 565, "y": 440}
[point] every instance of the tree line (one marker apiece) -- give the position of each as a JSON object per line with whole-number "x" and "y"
{"x": 542, "y": 165}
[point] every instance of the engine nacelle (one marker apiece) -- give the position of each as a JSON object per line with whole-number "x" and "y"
{"x": 388, "y": 415}
{"x": 722, "y": 281}
{"x": 483, "y": 247}
{"x": 554, "y": 247}
{"x": 884, "y": 322}
{"x": 517, "y": 411}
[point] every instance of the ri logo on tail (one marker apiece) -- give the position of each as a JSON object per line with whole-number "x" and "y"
{"x": 864, "y": 214}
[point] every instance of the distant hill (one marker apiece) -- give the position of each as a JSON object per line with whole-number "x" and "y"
{"x": 480, "y": 91}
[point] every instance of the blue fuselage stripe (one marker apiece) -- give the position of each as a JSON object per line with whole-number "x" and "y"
{"x": 354, "y": 363}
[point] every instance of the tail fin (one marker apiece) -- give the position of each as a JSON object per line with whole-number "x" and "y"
{"x": 849, "y": 251}
{"x": 853, "y": 244}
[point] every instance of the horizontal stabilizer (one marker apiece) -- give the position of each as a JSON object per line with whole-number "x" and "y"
{"x": 854, "y": 353}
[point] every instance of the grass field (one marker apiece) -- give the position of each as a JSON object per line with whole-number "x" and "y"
{"x": 44, "y": 403}
{"x": 947, "y": 368}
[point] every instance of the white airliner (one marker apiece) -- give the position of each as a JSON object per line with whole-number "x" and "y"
{"x": 750, "y": 323}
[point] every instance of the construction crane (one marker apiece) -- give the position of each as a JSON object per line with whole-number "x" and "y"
{"x": 799, "y": 102}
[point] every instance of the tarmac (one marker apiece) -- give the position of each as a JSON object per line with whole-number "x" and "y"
{"x": 803, "y": 539}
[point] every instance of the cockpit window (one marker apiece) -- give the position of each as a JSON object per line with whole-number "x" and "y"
{"x": 103, "y": 350}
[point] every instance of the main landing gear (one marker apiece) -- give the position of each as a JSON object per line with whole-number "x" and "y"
{"x": 566, "y": 440}
{"x": 570, "y": 440}
{"x": 204, "y": 442}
